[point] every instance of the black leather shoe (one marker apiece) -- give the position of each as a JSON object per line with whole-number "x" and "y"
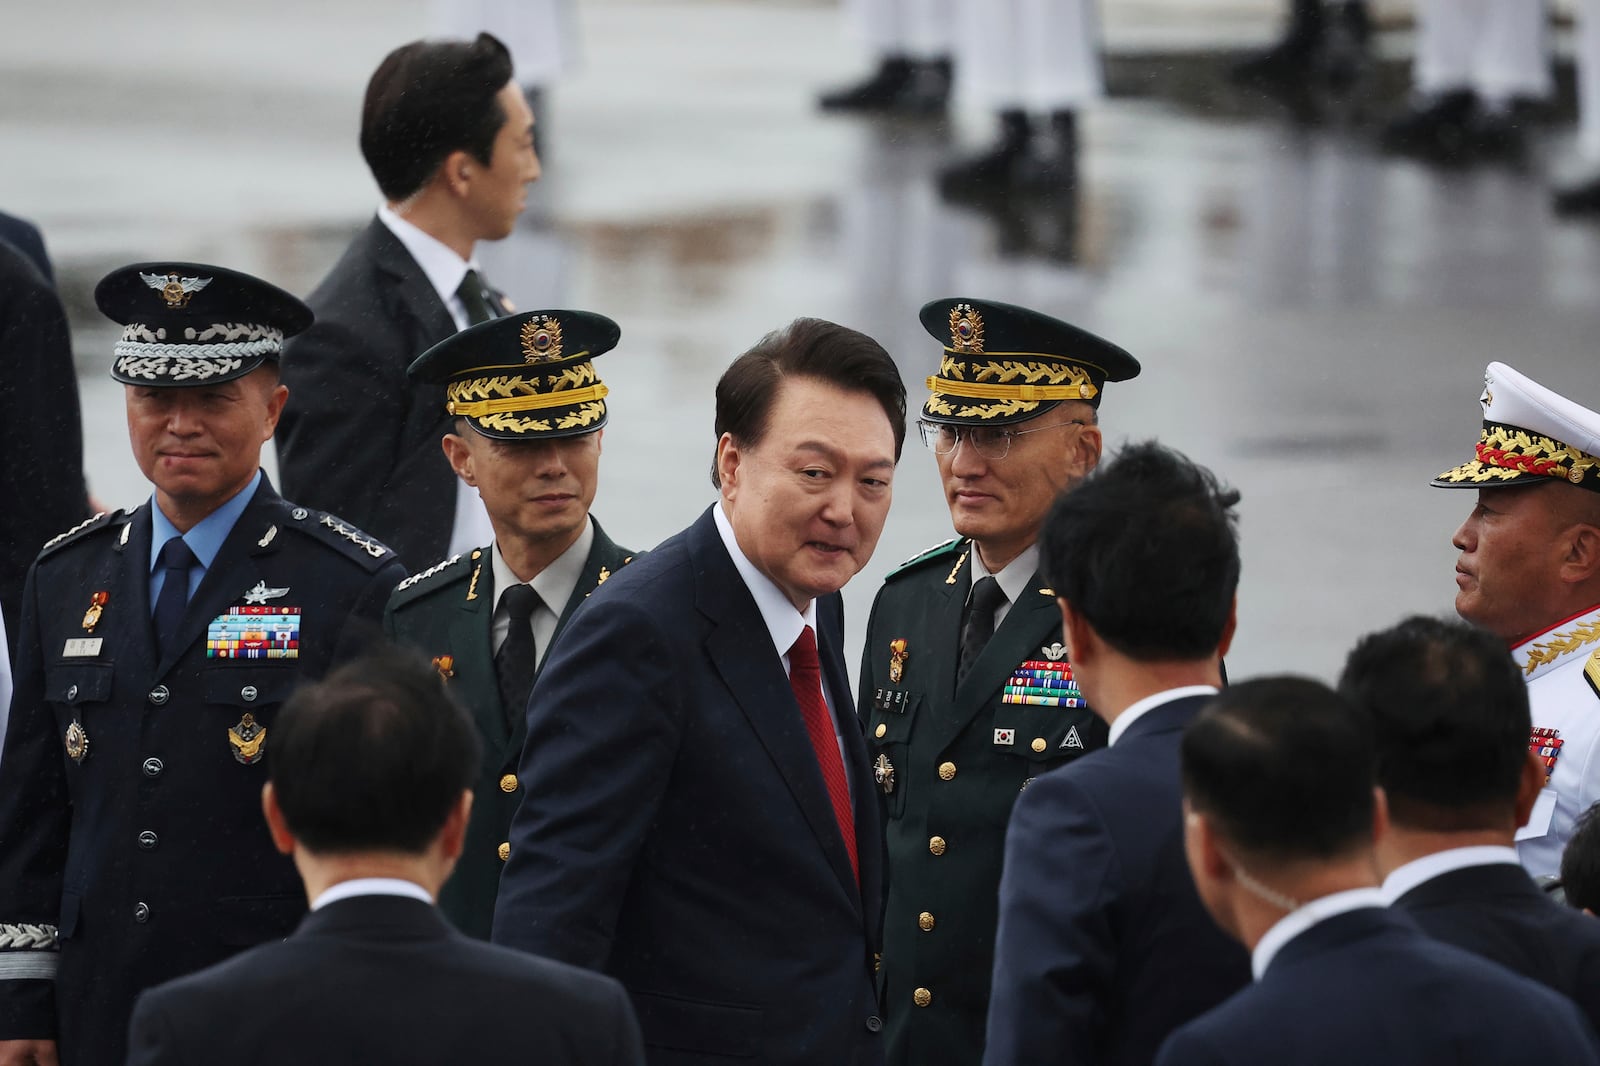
{"x": 877, "y": 93}
{"x": 992, "y": 170}
{"x": 927, "y": 90}
{"x": 1498, "y": 136}
{"x": 1580, "y": 199}
{"x": 1442, "y": 130}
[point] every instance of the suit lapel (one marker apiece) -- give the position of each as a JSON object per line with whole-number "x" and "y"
{"x": 742, "y": 653}
{"x": 129, "y": 580}
{"x": 604, "y": 556}
{"x": 863, "y": 795}
{"x": 416, "y": 294}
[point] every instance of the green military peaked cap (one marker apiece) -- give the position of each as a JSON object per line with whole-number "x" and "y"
{"x": 524, "y": 376}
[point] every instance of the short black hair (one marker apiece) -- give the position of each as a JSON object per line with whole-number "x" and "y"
{"x": 428, "y": 99}
{"x": 808, "y": 348}
{"x": 374, "y": 758}
{"x": 1449, "y": 710}
{"x": 1147, "y": 550}
{"x": 1283, "y": 767}
{"x": 1580, "y": 862}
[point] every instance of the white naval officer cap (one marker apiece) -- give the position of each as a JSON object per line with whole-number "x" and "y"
{"x": 1528, "y": 432}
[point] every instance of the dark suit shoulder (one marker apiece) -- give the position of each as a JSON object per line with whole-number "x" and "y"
{"x": 87, "y": 530}
{"x": 924, "y": 560}
{"x": 435, "y": 579}
{"x": 329, "y": 529}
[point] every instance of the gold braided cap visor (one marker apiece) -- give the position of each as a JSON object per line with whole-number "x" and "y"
{"x": 527, "y": 402}
{"x": 978, "y": 391}
{"x": 1507, "y": 454}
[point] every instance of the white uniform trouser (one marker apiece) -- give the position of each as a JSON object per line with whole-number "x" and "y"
{"x": 1036, "y": 55}
{"x": 1497, "y": 48}
{"x": 541, "y": 34}
{"x": 915, "y": 29}
{"x": 1588, "y": 48}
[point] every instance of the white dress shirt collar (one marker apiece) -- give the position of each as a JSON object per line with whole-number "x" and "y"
{"x": 1403, "y": 879}
{"x": 443, "y": 268}
{"x": 783, "y": 622}
{"x": 1307, "y": 915}
{"x": 556, "y": 583}
{"x": 1143, "y": 707}
{"x": 371, "y": 886}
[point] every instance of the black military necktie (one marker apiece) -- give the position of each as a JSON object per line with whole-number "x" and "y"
{"x": 177, "y": 560}
{"x": 987, "y": 598}
{"x": 514, "y": 663}
{"x": 474, "y": 298}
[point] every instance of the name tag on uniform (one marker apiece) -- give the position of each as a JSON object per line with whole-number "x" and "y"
{"x": 82, "y": 648}
{"x": 889, "y": 700}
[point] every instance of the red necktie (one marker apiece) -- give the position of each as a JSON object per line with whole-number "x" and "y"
{"x": 805, "y": 677}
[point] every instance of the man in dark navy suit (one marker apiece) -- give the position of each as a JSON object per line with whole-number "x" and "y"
{"x": 1281, "y": 816}
{"x": 1103, "y": 947}
{"x": 1449, "y": 711}
{"x": 699, "y": 819}
{"x": 369, "y": 792}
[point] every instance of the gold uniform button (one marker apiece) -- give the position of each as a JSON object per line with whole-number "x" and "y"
{"x": 1039, "y": 744}
{"x": 936, "y": 845}
{"x": 922, "y": 997}
{"x": 508, "y": 783}
{"x": 881, "y": 730}
{"x": 925, "y": 921}
{"x": 947, "y": 770}
{"x": 505, "y": 851}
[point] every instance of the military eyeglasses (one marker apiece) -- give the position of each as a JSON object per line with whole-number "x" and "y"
{"x": 991, "y": 442}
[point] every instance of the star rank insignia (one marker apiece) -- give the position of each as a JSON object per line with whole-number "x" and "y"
{"x": 898, "y": 654}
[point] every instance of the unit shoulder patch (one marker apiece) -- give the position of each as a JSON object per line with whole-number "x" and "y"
{"x": 944, "y": 550}
{"x": 101, "y": 520}
{"x": 438, "y": 576}
{"x": 372, "y": 554}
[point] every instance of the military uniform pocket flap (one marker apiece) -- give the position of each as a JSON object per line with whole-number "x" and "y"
{"x": 248, "y": 686}
{"x": 79, "y": 683}
{"x": 1042, "y": 734}
{"x": 893, "y": 712}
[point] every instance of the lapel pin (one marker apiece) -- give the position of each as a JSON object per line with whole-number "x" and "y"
{"x": 898, "y": 654}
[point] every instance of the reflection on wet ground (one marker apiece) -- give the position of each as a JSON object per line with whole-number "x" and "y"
{"x": 1313, "y": 317}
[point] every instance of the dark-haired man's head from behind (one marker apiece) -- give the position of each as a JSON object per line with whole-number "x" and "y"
{"x": 370, "y": 773}
{"x": 1279, "y": 801}
{"x": 1580, "y": 863}
{"x": 1449, "y": 713}
{"x": 1143, "y": 556}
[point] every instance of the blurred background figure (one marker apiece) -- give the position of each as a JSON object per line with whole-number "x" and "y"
{"x": 1479, "y": 66}
{"x": 911, "y": 42}
{"x": 1582, "y": 195}
{"x": 25, "y": 237}
{"x": 1325, "y": 41}
{"x": 541, "y": 34}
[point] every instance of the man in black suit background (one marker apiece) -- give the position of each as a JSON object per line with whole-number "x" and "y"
{"x": 1103, "y": 947}
{"x": 449, "y": 138}
{"x": 1281, "y": 816}
{"x": 369, "y": 792}
{"x": 1449, "y": 711}
{"x": 25, "y": 237}
{"x": 699, "y": 819}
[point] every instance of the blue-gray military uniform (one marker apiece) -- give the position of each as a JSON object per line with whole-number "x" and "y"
{"x": 951, "y": 757}
{"x": 132, "y": 846}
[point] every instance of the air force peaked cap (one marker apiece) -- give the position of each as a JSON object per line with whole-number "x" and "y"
{"x": 1004, "y": 363}
{"x": 524, "y": 376}
{"x": 1529, "y": 433}
{"x": 193, "y": 324}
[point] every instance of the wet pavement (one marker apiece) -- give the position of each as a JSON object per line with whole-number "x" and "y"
{"x": 1313, "y": 317}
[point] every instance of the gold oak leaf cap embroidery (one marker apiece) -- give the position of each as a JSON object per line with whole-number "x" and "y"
{"x": 1529, "y": 432}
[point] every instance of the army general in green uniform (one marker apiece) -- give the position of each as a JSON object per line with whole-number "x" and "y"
{"x": 966, "y": 690}
{"x": 529, "y": 411}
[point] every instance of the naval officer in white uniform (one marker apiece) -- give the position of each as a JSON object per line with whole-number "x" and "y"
{"x": 1529, "y": 571}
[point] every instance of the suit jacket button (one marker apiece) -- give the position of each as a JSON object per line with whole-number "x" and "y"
{"x": 148, "y": 841}
{"x": 947, "y": 770}
{"x": 153, "y": 767}
{"x": 936, "y": 845}
{"x": 141, "y": 913}
{"x": 874, "y": 1024}
{"x": 508, "y": 783}
{"x": 159, "y": 695}
{"x": 505, "y": 851}
{"x": 1039, "y": 744}
{"x": 72, "y": 693}
{"x": 922, "y": 997}
{"x": 925, "y": 921}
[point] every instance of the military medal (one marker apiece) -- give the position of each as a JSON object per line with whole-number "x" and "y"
{"x": 1044, "y": 682}
{"x": 91, "y": 617}
{"x": 1546, "y": 745}
{"x": 255, "y": 630}
{"x": 77, "y": 742}
{"x": 445, "y": 664}
{"x": 897, "y": 660}
{"x": 247, "y": 739}
{"x": 883, "y": 773}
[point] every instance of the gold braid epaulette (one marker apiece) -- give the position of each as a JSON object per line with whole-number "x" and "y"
{"x": 1549, "y": 651}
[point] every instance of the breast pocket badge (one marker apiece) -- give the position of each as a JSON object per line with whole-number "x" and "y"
{"x": 248, "y": 740}
{"x": 255, "y": 631}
